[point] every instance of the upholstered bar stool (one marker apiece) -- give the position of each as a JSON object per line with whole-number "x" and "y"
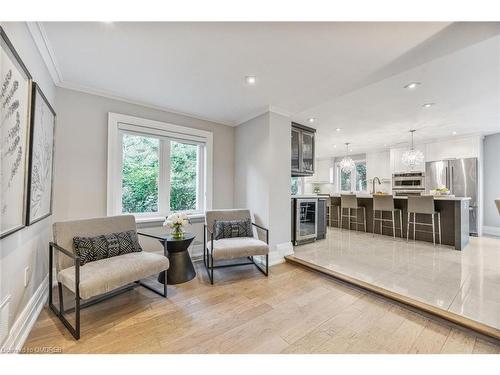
{"x": 350, "y": 202}
{"x": 423, "y": 205}
{"x": 385, "y": 203}
{"x": 336, "y": 207}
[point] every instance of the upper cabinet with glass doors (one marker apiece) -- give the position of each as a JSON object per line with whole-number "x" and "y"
{"x": 302, "y": 150}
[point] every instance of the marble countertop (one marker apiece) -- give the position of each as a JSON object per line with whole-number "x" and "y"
{"x": 437, "y": 197}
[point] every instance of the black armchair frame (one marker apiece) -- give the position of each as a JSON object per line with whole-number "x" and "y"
{"x": 208, "y": 259}
{"x": 59, "y": 312}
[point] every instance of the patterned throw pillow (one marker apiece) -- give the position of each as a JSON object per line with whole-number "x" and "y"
{"x": 232, "y": 228}
{"x": 90, "y": 249}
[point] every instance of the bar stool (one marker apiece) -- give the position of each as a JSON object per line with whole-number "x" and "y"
{"x": 350, "y": 202}
{"x": 385, "y": 203}
{"x": 337, "y": 208}
{"x": 423, "y": 205}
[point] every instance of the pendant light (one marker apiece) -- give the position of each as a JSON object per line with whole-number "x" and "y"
{"x": 347, "y": 164}
{"x": 412, "y": 158}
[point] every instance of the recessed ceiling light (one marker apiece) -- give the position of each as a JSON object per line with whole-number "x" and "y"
{"x": 428, "y": 105}
{"x": 454, "y": 133}
{"x": 251, "y": 80}
{"x": 334, "y": 146}
{"x": 311, "y": 119}
{"x": 338, "y": 129}
{"x": 350, "y": 150}
{"x": 412, "y": 85}
{"x": 385, "y": 144}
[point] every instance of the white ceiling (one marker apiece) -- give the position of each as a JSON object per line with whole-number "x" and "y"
{"x": 347, "y": 75}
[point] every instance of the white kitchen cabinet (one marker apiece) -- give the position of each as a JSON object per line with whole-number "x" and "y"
{"x": 378, "y": 164}
{"x": 397, "y": 166}
{"x": 322, "y": 172}
{"x": 456, "y": 148}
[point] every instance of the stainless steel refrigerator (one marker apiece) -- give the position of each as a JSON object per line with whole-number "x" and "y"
{"x": 460, "y": 177}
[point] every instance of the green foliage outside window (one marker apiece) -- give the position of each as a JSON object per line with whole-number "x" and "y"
{"x": 140, "y": 174}
{"x": 183, "y": 171}
{"x": 361, "y": 176}
{"x": 345, "y": 181}
{"x": 358, "y": 175}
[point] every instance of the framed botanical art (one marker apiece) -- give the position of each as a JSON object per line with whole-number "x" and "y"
{"x": 15, "y": 96}
{"x": 41, "y": 157}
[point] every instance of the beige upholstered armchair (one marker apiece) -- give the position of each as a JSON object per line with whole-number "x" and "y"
{"x": 233, "y": 247}
{"x": 497, "y": 202}
{"x": 104, "y": 277}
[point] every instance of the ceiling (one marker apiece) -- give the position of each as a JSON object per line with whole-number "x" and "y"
{"x": 346, "y": 75}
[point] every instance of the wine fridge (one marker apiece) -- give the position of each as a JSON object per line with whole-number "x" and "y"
{"x": 306, "y": 220}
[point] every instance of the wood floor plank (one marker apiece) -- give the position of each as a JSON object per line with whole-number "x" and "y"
{"x": 291, "y": 311}
{"x": 458, "y": 342}
{"x": 432, "y": 338}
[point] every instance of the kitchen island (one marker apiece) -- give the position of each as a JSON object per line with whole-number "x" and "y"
{"x": 454, "y": 219}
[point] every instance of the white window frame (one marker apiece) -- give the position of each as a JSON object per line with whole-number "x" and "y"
{"x": 119, "y": 124}
{"x": 354, "y": 173}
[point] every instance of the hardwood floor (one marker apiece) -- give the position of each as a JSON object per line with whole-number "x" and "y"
{"x": 292, "y": 311}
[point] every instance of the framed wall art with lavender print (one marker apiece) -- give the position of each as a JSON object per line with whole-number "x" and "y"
{"x": 41, "y": 157}
{"x": 15, "y": 96}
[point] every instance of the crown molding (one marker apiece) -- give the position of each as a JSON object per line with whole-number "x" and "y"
{"x": 267, "y": 109}
{"x": 44, "y": 47}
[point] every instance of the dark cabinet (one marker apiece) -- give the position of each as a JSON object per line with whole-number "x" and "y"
{"x": 302, "y": 163}
{"x": 295, "y": 150}
{"x": 321, "y": 234}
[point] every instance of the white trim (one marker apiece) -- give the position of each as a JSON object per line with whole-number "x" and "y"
{"x": 270, "y": 108}
{"x": 44, "y": 47}
{"x": 278, "y": 255}
{"x": 491, "y": 231}
{"x": 4, "y": 302}
{"x": 119, "y": 122}
{"x": 26, "y": 320}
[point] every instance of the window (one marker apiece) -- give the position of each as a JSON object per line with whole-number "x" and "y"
{"x": 355, "y": 180}
{"x": 156, "y": 168}
{"x": 140, "y": 171}
{"x": 183, "y": 176}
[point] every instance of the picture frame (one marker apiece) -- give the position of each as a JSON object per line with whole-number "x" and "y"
{"x": 40, "y": 157}
{"x": 15, "y": 110}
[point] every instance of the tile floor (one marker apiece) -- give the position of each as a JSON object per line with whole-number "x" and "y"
{"x": 464, "y": 282}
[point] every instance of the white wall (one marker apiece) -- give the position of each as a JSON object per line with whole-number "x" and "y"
{"x": 491, "y": 183}
{"x": 279, "y": 181}
{"x": 81, "y": 160}
{"x": 251, "y": 172}
{"x": 29, "y": 246}
{"x": 262, "y": 176}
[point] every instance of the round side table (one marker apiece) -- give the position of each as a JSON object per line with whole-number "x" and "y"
{"x": 181, "y": 267}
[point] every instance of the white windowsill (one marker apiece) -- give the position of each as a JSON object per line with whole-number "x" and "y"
{"x": 157, "y": 219}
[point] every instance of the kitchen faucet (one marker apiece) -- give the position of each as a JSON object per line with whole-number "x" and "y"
{"x": 373, "y": 184}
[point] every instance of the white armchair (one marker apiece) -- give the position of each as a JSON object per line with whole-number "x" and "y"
{"x": 102, "y": 278}
{"x": 233, "y": 248}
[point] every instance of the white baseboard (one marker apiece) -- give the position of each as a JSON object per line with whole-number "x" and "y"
{"x": 492, "y": 231}
{"x": 282, "y": 250}
{"x": 26, "y": 320}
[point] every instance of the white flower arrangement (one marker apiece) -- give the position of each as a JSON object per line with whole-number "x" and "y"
{"x": 176, "y": 220}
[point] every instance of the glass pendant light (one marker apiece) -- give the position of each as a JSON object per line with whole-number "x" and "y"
{"x": 412, "y": 158}
{"x": 347, "y": 164}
